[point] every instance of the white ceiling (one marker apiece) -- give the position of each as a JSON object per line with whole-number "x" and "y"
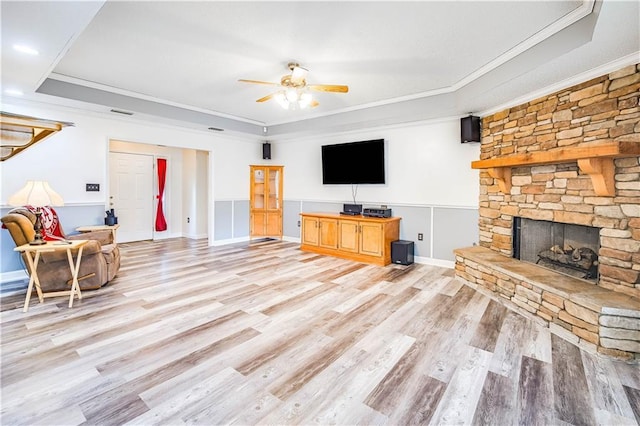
{"x": 402, "y": 61}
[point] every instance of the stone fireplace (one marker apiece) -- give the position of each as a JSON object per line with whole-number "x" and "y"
{"x": 568, "y": 166}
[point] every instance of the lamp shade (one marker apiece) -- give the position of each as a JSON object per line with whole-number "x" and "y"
{"x": 36, "y": 193}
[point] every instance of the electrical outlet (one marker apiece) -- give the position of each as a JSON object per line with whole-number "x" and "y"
{"x": 93, "y": 187}
{"x": 298, "y": 224}
{"x": 420, "y": 236}
{"x": 188, "y": 220}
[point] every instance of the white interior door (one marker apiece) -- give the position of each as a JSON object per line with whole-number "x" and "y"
{"x": 132, "y": 195}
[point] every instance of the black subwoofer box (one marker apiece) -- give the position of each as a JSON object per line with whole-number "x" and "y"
{"x": 402, "y": 252}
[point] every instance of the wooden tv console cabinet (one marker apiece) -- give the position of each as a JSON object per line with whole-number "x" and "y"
{"x": 358, "y": 238}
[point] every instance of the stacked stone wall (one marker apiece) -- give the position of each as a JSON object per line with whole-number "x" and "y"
{"x": 604, "y": 109}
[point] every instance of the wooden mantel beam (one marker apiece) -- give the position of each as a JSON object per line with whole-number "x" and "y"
{"x": 596, "y": 161}
{"x": 562, "y": 155}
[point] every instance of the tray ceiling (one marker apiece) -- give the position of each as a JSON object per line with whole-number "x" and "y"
{"x": 182, "y": 60}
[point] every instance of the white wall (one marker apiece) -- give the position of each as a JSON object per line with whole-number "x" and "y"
{"x": 202, "y": 194}
{"x": 189, "y": 219}
{"x": 79, "y": 154}
{"x": 195, "y": 193}
{"x": 425, "y": 165}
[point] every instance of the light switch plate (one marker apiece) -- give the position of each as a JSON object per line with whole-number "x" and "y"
{"x": 93, "y": 187}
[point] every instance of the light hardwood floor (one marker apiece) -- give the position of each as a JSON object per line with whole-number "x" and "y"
{"x": 263, "y": 333}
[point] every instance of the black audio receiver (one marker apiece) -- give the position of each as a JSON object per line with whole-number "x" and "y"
{"x": 372, "y": 212}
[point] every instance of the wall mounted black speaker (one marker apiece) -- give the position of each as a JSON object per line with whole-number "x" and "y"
{"x": 470, "y": 129}
{"x": 266, "y": 151}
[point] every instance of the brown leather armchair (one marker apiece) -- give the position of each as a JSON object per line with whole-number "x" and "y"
{"x": 100, "y": 256}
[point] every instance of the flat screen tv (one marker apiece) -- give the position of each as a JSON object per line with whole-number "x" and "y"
{"x": 353, "y": 163}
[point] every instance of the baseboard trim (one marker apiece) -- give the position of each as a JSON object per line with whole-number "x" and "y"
{"x": 10, "y": 276}
{"x": 196, "y": 236}
{"x": 158, "y": 236}
{"x": 228, "y": 241}
{"x": 435, "y": 262}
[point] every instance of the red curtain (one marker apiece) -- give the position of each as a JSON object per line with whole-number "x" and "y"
{"x": 161, "y": 223}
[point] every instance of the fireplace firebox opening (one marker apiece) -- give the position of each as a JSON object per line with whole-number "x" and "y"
{"x": 566, "y": 248}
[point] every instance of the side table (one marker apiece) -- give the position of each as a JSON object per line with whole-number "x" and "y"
{"x": 33, "y": 257}
{"x": 91, "y": 228}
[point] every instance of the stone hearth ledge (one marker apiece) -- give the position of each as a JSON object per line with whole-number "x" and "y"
{"x": 601, "y": 319}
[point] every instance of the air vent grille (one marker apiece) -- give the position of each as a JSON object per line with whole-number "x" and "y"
{"x": 118, "y": 111}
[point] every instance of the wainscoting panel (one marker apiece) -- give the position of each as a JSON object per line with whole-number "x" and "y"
{"x": 453, "y": 228}
{"x": 291, "y": 216}
{"x": 72, "y": 217}
{"x": 9, "y": 259}
{"x": 415, "y": 220}
{"x": 240, "y": 219}
{"x": 450, "y": 228}
{"x": 222, "y": 223}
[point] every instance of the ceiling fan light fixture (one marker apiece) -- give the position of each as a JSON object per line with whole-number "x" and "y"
{"x": 292, "y": 95}
{"x": 294, "y": 91}
{"x": 305, "y": 100}
{"x": 293, "y": 99}
{"x": 298, "y": 74}
{"x": 281, "y": 99}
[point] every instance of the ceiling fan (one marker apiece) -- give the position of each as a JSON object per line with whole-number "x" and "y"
{"x": 295, "y": 90}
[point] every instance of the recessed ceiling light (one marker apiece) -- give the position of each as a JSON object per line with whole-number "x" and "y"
{"x": 25, "y": 49}
{"x": 14, "y": 92}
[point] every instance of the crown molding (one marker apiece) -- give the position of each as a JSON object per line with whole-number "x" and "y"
{"x": 607, "y": 68}
{"x": 124, "y": 92}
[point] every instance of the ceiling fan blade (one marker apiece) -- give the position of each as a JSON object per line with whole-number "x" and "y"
{"x": 259, "y": 82}
{"x": 329, "y": 88}
{"x": 265, "y": 98}
{"x": 298, "y": 74}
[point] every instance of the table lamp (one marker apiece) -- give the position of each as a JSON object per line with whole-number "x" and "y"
{"x": 38, "y": 194}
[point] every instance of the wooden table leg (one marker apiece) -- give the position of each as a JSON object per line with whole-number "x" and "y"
{"x": 33, "y": 266}
{"x": 75, "y": 287}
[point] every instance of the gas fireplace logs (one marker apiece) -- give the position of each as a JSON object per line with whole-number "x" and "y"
{"x": 582, "y": 259}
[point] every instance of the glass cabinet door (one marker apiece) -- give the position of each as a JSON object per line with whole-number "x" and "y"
{"x": 274, "y": 188}
{"x": 258, "y": 189}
